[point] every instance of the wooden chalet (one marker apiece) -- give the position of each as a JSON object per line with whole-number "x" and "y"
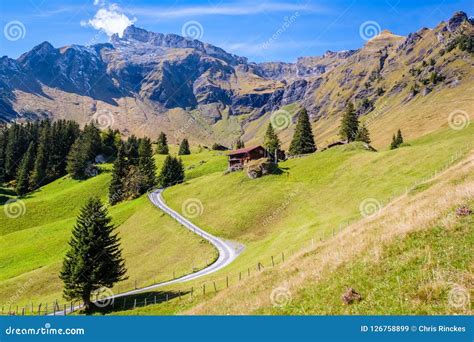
{"x": 237, "y": 158}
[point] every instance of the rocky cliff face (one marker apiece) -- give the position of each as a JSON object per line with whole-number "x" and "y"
{"x": 149, "y": 82}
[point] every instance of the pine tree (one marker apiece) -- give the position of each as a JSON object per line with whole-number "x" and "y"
{"x": 109, "y": 146}
{"x": 172, "y": 172}
{"x": 94, "y": 259}
{"x": 91, "y": 141}
{"x": 3, "y": 143}
{"x": 131, "y": 148}
{"x": 119, "y": 174}
{"x": 26, "y": 166}
{"x": 239, "y": 144}
{"x": 349, "y": 124}
{"x": 39, "y": 176}
{"x": 303, "y": 140}
{"x": 363, "y": 134}
{"x": 77, "y": 159}
{"x": 146, "y": 165}
{"x": 184, "y": 147}
{"x": 162, "y": 144}
{"x": 393, "y": 144}
{"x": 271, "y": 141}
{"x": 399, "y": 138}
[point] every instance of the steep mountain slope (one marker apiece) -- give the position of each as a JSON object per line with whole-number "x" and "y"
{"x": 147, "y": 82}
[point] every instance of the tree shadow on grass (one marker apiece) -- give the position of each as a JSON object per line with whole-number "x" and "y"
{"x": 130, "y": 302}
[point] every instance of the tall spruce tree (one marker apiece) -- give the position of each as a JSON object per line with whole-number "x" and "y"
{"x": 94, "y": 259}
{"x": 3, "y": 143}
{"x": 78, "y": 159}
{"x": 349, "y": 124}
{"x": 303, "y": 139}
{"x": 363, "y": 134}
{"x": 184, "y": 147}
{"x": 39, "y": 176}
{"x": 146, "y": 165}
{"x": 26, "y": 166}
{"x": 393, "y": 144}
{"x": 119, "y": 174}
{"x": 271, "y": 141}
{"x": 131, "y": 147}
{"x": 172, "y": 172}
{"x": 399, "y": 138}
{"x": 162, "y": 144}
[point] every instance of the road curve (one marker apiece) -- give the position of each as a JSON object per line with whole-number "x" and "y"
{"x": 227, "y": 252}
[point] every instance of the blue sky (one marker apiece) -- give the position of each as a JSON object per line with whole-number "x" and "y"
{"x": 269, "y": 30}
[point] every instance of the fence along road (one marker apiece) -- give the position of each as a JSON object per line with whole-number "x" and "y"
{"x": 227, "y": 252}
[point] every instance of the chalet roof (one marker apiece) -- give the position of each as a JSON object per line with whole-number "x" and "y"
{"x": 243, "y": 150}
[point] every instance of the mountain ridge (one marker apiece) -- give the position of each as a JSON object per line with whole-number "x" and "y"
{"x": 146, "y": 82}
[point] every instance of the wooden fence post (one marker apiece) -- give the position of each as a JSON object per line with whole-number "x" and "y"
{"x": 192, "y": 290}
{"x": 215, "y": 288}
{"x": 283, "y": 256}
{"x": 134, "y": 303}
{"x": 23, "y": 311}
{"x": 65, "y": 309}
{"x": 145, "y": 301}
{"x": 248, "y": 271}
{"x": 167, "y": 296}
{"x": 203, "y": 289}
{"x": 155, "y": 300}
{"x": 273, "y": 262}
{"x": 240, "y": 276}
{"x": 39, "y": 309}
{"x": 179, "y": 294}
{"x": 227, "y": 281}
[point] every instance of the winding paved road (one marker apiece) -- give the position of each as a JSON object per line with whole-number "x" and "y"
{"x": 227, "y": 252}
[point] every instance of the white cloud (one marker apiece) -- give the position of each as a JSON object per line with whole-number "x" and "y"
{"x": 109, "y": 19}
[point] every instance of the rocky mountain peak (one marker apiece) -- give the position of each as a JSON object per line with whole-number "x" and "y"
{"x": 456, "y": 20}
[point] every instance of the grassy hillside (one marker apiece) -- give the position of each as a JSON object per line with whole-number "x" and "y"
{"x": 32, "y": 245}
{"x": 313, "y": 197}
{"x": 414, "y": 257}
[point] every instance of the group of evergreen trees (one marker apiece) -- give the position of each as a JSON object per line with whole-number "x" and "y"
{"x": 134, "y": 170}
{"x": 397, "y": 140}
{"x": 35, "y": 153}
{"x": 303, "y": 139}
{"x": 172, "y": 172}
